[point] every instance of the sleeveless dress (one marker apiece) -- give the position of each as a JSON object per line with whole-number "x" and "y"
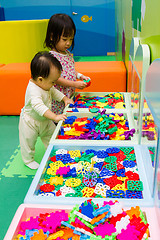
{"x": 68, "y": 73}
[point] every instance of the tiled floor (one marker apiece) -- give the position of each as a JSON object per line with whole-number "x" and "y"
{"x": 12, "y": 189}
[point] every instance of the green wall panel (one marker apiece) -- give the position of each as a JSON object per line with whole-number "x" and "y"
{"x": 138, "y": 18}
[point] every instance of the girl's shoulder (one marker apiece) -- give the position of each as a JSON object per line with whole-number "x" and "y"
{"x": 54, "y": 53}
{"x": 60, "y": 54}
{"x": 68, "y": 53}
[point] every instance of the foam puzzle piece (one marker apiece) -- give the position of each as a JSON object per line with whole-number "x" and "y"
{"x": 16, "y": 167}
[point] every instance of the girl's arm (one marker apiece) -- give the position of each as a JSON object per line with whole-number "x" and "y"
{"x": 67, "y": 83}
{"x": 81, "y": 76}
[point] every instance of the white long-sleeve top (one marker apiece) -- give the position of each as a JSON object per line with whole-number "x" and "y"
{"x": 38, "y": 101}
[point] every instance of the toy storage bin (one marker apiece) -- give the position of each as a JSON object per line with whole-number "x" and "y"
{"x": 33, "y": 195}
{"x": 26, "y": 211}
{"x": 126, "y": 98}
{"x": 127, "y": 114}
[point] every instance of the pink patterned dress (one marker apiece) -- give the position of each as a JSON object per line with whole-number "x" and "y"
{"x": 68, "y": 73}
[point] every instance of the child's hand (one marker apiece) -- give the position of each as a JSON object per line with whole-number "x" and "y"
{"x": 67, "y": 101}
{"x": 60, "y": 117}
{"x": 80, "y": 84}
{"x": 82, "y": 77}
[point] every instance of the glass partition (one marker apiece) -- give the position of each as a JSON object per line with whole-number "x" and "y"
{"x": 145, "y": 122}
{"x": 133, "y": 48}
{"x": 140, "y": 65}
{"x": 152, "y": 93}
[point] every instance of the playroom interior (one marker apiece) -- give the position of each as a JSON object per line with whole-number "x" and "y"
{"x": 103, "y": 162}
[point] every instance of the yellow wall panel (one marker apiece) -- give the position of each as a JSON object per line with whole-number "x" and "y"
{"x": 21, "y": 40}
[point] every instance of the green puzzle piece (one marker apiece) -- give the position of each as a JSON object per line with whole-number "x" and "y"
{"x": 16, "y": 167}
{"x": 134, "y": 185}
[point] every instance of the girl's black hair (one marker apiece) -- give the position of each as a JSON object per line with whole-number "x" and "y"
{"x": 41, "y": 64}
{"x": 59, "y": 24}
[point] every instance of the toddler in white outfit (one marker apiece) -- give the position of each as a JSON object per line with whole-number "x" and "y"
{"x": 36, "y": 118}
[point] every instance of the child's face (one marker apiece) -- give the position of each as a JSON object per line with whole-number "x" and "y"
{"x": 47, "y": 83}
{"x": 64, "y": 43}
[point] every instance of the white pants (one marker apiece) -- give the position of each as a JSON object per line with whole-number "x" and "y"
{"x": 29, "y": 131}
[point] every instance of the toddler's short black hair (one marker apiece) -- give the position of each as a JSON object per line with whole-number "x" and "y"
{"x": 41, "y": 64}
{"x": 59, "y": 24}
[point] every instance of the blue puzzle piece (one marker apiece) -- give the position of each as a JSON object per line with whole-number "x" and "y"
{"x": 120, "y": 173}
{"x": 71, "y": 105}
{"x": 112, "y": 150}
{"x": 70, "y": 120}
{"x": 101, "y": 210}
{"x": 129, "y": 164}
{"x": 75, "y": 110}
{"x": 88, "y": 151}
{"x": 87, "y": 210}
{"x": 106, "y": 172}
{"x": 98, "y": 165}
{"x": 102, "y": 154}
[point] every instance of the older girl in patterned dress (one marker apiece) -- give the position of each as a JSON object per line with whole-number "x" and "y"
{"x": 59, "y": 38}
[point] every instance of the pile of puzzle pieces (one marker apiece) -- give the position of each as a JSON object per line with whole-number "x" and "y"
{"x": 148, "y": 127}
{"x": 135, "y": 101}
{"x": 87, "y": 221}
{"x": 112, "y": 126}
{"x": 108, "y": 173}
{"x": 108, "y": 101}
